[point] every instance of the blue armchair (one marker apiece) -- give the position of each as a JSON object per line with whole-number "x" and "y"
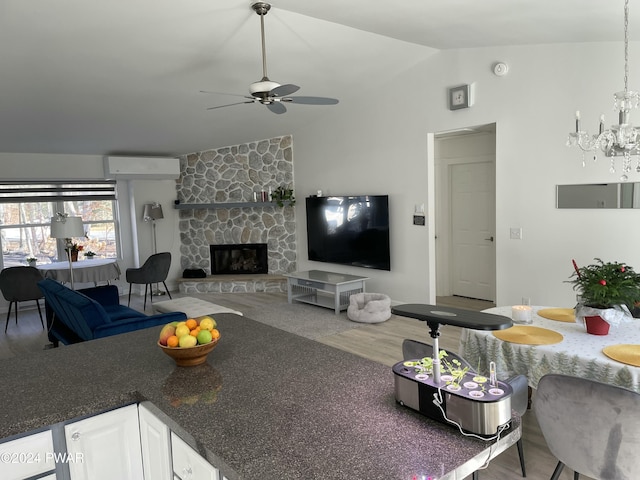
{"x": 79, "y": 315}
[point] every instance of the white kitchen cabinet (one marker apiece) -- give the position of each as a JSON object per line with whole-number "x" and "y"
{"x": 156, "y": 446}
{"x": 189, "y": 464}
{"x": 106, "y": 446}
{"x": 27, "y": 456}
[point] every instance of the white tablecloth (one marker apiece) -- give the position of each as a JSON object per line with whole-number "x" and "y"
{"x": 84, "y": 271}
{"x": 579, "y": 353}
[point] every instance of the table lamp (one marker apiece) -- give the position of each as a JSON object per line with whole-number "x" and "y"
{"x": 64, "y": 226}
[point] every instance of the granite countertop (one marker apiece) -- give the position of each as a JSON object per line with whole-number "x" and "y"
{"x": 267, "y": 405}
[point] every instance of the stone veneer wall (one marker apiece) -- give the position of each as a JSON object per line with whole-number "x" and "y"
{"x": 232, "y": 174}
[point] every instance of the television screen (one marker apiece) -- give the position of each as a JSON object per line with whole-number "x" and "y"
{"x": 350, "y": 230}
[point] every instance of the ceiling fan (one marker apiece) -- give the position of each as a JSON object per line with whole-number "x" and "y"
{"x": 270, "y": 93}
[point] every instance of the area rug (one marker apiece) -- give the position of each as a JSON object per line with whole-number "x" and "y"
{"x": 301, "y": 319}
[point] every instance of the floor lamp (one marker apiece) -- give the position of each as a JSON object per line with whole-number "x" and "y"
{"x": 151, "y": 213}
{"x": 63, "y": 226}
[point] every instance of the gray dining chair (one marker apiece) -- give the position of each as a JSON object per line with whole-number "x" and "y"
{"x": 591, "y": 427}
{"x": 412, "y": 349}
{"x": 154, "y": 270}
{"x": 20, "y": 284}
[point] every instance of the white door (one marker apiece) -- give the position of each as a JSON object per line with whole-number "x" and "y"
{"x": 105, "y": 447}
{"x": 472, "y": 187}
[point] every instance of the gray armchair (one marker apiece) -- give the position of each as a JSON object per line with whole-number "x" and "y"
{"x": 412, "y": 349}
{"x": 591, "y": 427}
{"x": 20, "y": 284}
{"x": 154, "y": 270}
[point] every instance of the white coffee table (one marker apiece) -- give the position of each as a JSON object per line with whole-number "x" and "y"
{"x": 324, "y": 289}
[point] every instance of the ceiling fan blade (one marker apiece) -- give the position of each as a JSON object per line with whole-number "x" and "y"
{"x": 284, "y": 90}
{"x": 223, "y": 93}
{"x": 277, "y": 107}
{"x": 229, "y": 105}
{"x": 311, "y": 100}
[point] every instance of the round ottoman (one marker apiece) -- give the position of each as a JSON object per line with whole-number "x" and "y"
{"x": 369, "y": 307}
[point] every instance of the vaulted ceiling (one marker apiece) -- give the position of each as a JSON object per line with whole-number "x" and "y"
{"x": 123, "y": 76}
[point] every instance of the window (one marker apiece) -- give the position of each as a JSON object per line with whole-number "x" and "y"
{"x": 25, "y": 219}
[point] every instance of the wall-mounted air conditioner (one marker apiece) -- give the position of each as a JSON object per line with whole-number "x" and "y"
{"x": 141, "y": 168}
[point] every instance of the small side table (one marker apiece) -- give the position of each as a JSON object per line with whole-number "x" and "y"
{"x": 324, "y": 289}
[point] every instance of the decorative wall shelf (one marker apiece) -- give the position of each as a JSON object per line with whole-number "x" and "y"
{"x": 206, "y": 206}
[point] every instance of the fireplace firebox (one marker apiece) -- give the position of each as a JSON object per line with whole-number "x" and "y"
{"x": 243, "y": 258}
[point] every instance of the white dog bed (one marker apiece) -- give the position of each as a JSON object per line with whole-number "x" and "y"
{"x": 369, "y": 307}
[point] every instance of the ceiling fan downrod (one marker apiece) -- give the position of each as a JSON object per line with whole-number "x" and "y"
{"x": 261, "y": 8}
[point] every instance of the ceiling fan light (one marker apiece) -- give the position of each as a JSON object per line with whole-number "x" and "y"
{"x": 262, "y": 88}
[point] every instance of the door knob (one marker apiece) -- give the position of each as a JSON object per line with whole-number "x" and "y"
{"x": 490, "y": 238}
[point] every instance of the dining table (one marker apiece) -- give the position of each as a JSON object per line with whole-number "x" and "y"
{"x": 553, "y": 342}
{"x": 84, "y": 271}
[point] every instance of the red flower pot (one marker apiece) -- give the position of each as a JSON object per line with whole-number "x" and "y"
{"x": 596, "y": 325}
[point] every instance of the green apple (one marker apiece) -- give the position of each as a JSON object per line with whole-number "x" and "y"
{"x": 204, "y": 336}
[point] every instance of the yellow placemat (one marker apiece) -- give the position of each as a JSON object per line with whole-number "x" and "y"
{"x": 625, "y": 353}
{"x": 560, "y": 314}
{"x": 527, "y": 335}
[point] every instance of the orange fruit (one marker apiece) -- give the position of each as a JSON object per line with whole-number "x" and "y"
{"x": 195, "y": 332}
{"x": 172, "y": 341}
{"x": 191, "y": 323}
{"x": 215, "y": 334}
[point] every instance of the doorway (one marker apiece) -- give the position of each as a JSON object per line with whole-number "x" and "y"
{"x": 465, "y": 213}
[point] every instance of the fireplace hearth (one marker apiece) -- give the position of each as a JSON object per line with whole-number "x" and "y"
{"x": 238, "y": 259}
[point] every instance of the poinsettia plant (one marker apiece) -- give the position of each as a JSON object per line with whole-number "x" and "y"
{"x": 606, "y": 285}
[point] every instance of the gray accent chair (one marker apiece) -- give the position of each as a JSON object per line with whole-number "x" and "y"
{"x": 412, "y": 349}
{"x": 154, "y": 270}
{"x": 20, "y": 284}
{"x": 591, "y": 427}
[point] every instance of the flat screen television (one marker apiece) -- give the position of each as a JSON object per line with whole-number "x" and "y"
{"x": 349, "y": 230}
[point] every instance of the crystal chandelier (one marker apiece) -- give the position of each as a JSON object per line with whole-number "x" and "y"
{"x": 619, "y": 140}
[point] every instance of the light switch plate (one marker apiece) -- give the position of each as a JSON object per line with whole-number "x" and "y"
{"x": 516, "y": 233}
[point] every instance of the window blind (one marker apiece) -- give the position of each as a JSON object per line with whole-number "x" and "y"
{"x": 13, "y": 192}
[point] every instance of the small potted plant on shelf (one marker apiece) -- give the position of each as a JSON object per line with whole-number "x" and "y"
{"x": 31, "y": 261}
{"x": 89, "y": 254}
{"x": 282, "y": 195}
{"x": 607, "y": 294}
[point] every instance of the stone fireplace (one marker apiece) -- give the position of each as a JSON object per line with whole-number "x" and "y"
{"x": 211, "y": 180}
{"x": 239, "y": 259}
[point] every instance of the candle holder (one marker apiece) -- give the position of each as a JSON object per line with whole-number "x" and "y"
{"x": 522, "y": 314}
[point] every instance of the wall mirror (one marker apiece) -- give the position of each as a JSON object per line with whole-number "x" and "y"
{"x": 598, "y": 195}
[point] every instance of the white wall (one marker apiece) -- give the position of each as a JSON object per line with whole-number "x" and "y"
{"x": 379, "y": 145}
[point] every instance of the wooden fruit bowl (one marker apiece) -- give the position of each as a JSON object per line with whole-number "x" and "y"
{"x": 190, "y": 356}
